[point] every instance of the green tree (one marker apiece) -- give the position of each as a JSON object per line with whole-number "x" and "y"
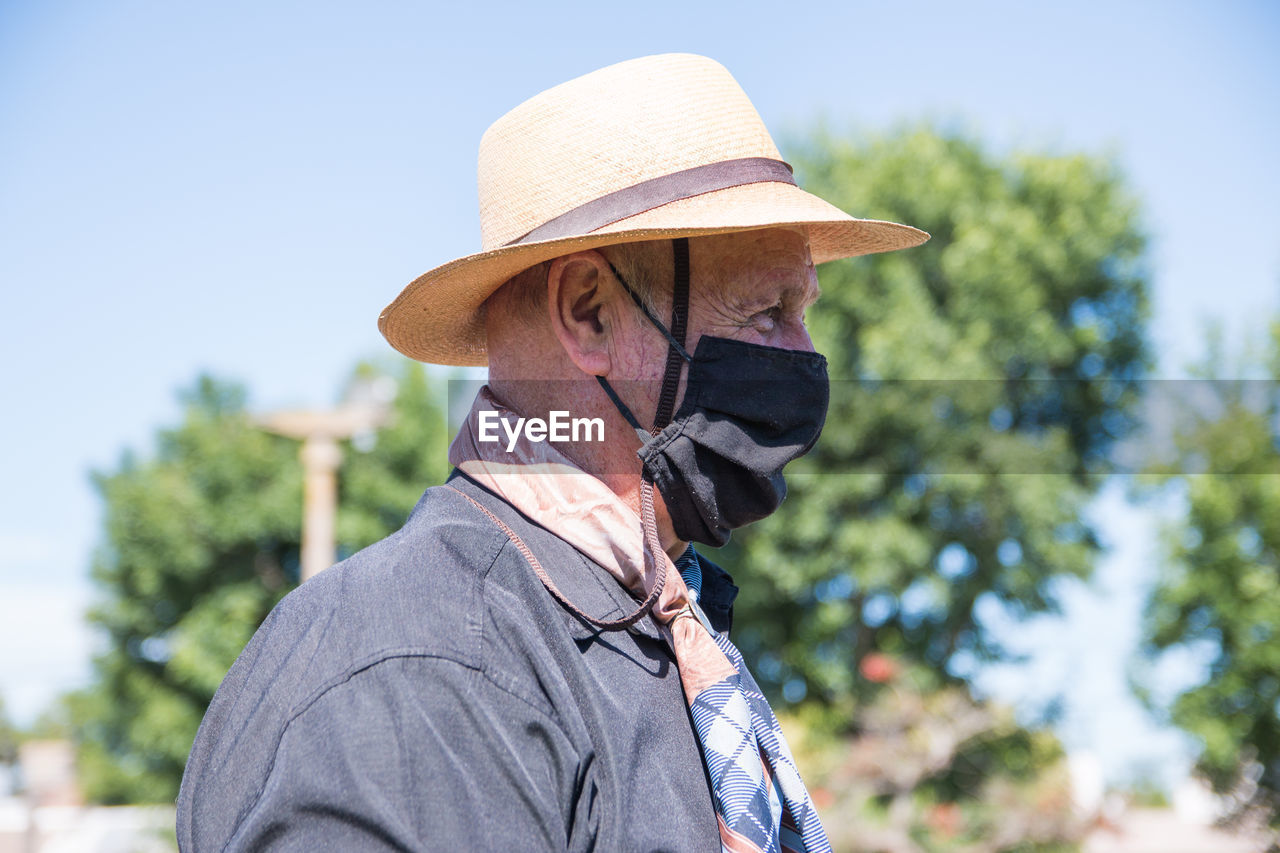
{"x": 201, "y": 541}
{"x": 1219, "y": 589}
{"x": 1008, "y": 345}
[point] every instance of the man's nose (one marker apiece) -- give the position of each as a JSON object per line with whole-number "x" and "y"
{"x": 796, "y": 336}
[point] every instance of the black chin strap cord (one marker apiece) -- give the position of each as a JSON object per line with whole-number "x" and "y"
{"x": 676, "y": 353}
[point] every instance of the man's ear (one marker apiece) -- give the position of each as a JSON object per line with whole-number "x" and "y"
{"x": 577, "y": 294}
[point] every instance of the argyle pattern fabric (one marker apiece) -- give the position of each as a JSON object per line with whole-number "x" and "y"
{"x": 762, "y": 802}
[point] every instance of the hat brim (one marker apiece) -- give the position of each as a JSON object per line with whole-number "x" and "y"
{"x": 437, "y": 318}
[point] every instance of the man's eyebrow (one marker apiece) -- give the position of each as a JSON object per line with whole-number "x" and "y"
{"x": 811, "y": 295}
{"x": 793, "y": 293}
{"x": 802, "y": 295}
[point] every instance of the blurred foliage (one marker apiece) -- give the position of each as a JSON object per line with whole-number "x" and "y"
{"x": 201, "y": 541}
{"x": 9, "y": 736}
{"x": 932, "y": 770}
{"x": 1219, "y": 592}
{"x": 1009, "y": 344}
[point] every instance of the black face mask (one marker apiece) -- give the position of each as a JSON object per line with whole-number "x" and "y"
{"x": 748, "y": 410}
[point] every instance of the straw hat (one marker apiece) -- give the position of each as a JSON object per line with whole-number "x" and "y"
{"x": 662, "y": 146}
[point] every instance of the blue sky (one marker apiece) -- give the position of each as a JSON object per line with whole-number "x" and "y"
{"x": 240, "y": 187}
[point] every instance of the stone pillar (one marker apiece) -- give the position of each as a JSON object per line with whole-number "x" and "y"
{"x": 321, "y": 458}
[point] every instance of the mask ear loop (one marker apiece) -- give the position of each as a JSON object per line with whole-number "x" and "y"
{"x": 641, "y": 432}
{"x": 674, "y": 333}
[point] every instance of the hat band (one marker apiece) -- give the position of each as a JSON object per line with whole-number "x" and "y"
{"x": 655, "y": 192}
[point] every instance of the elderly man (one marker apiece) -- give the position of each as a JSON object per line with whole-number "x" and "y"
{"x": 539, "y": 659}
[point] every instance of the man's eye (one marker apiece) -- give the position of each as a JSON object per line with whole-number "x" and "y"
{"x": 768, "y": 319}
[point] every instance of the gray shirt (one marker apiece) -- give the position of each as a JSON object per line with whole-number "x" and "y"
{"x": 430, "y": 694}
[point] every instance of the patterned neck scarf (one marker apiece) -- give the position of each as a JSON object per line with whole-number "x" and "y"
{"x": 760, "y": 800}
